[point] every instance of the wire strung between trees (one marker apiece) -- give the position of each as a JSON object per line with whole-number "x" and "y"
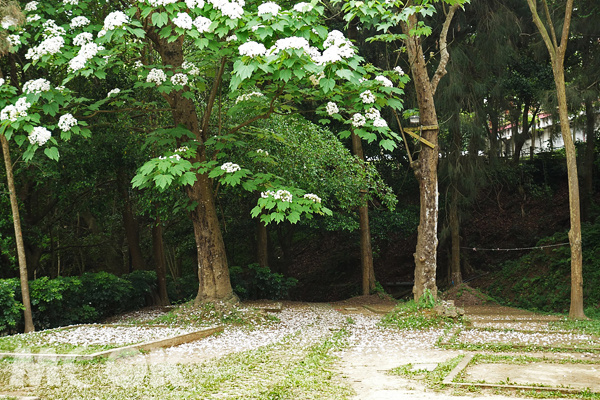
{"x": 517, "y": 248}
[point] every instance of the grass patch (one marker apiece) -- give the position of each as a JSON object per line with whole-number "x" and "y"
{"x": 433, "y": 378}
{"x": 416, "y": 316}
{"x": 38, "y": 342}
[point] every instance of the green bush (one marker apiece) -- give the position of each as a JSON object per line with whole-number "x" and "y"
{"x": 182, "y": 289}
{"x": 11, "y": 308}
{"x": 256, "y": 282}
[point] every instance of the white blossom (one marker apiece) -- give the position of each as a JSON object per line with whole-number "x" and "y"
{"x": 268, "y": 8}
{"x": 231, "y": 38}
{"x": 312, "y": 197}
{"x": 114, "y": 20}
{"x": 87, "y": 51}
{"x": 34, "y": 17}
{"x": 179, "y": 79}
{"x": 183, "y": 21}
{"x": 83, "y": 38}
{"x": 257, "y": 27}
{"x": 202, "y": 24}
{"x": 31, "y": 6}
{"x": 49, "y": 46}
{"x": 79, "y": 21}
{"x": 12, "y": 112}
{"x": 138, "y": 64}
{"x": 9, "y": 21}
{"x": 194, "y": 3}
{"x": 332, "y": 108}
{"x": 232, "y": 10}
{"x": 66, "y": 122}
{"x": 157, "y": 76}
{"x": 367, "y": 97}
{"x": 51, "y": 29}
{"x": 36, "y": 86}
{"x": 39, "y": 135}
{"x": 358, "y": 120}
{"x": 384, "y": 81}
{"x": 113, "y": 91}
{"x": 262, "y": 152}
{"x": 252, "y": 49}
{"x": 72, "y": 2}
{"x": 303, "y": 7}
{"x": 2, "y": 81}
{"x": 14, "y": 40}
{"x": 373, "y": 113}
{"x": 248, "y": 96}
{"x": 337, "y": 47}
{"x": 230, "y": 167}
{"x": 380, "y": 123}
{"x": 266, "y": 194}
{"x": 293, "y": 42}
{"x": 283, "y": 195}
{"x": 314, "y": 79}
{"x": 190, "y": 68}
{"x": 399, "y": 70}
{"x": 158, "y": 3}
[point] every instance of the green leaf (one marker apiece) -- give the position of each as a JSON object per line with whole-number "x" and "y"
{"x": 163, "y": 181}
{"x": 388, "y": 144}
{"x": 327, "y": 84}
{"x": 51, "y": 153}
{"x": 293, "y": 217}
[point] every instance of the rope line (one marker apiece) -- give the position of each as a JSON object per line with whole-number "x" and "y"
{"x": 516, "y": 249}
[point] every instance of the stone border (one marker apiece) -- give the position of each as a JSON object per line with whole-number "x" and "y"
{"x": 464, "y": 363}
{"x": 121, "y": 351}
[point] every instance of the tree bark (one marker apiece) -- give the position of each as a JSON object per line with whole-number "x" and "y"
{"x": 159, "y": 262}
{"x": 366, "y": 251}
{"x": 557, "y": 55}
{"x": 455, "y": 277}
{"x": 588, "y": 166}
{"x": 130, "y": 224}
{"x": 14, "y": 204}
{"x": 262, "y": 244}
{"x": 213, "y": 270}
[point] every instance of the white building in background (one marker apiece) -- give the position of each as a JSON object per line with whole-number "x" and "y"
{"x": 546, "y": 135}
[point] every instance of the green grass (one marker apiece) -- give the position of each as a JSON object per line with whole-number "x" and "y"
{"x": 416, "y": 316}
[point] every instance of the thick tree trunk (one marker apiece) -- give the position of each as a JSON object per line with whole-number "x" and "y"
{"x": 213, "y": 270}
{"x": 29, "y": 327}
{"x": 130, "y": 224}
{"x": 366, "y": 251}
{"x": 426, "y": 173}
{"x": 588, "y": 166}
{"x": 160, "y": 267}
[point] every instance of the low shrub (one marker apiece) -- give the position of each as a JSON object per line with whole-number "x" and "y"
{"x": 256, "y": 282}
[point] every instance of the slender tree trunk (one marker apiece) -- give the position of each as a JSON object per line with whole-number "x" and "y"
{"x": 159, "y": 262}
{"x": 366, "y": 251}
{"x": 455, "y": 277}
{"x": 213, "y": 270}
{"x": 262, "y": 244}
{"x": 130, "y": 223}
{"x": 29, "y": 327}
{"x": 588, "y": 167}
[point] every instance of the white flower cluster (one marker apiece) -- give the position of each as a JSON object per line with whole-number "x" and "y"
{"x": 384, "y": 81}
{"x": 179, "y": 79}
{"x": 51, "y": 29}
{"x": 14, "y": 40}
{"x": 337, "y": 47}
{"x": 190, "y": 68}
{"x": 114, "y": 91}
{"x": 183, "y": 21}
{"x": 66, "y": 122}
{"x": 158, "y": 3}
{"x": 380, "y": 123}
{"x": 138, "y": 64}
{"x": 157, "y": 76}
{"x": 312, "y": 197}
{"x": 303, "y": 7}
{"x": 194, "y": 3}
{"x": 281, "y": 194}
{"x": 294, "y": 42}
{"x": 31, "y": 6}
{"x": 2, "y": 81}
{"x": 399, "y": 70}
{"x": 87, "y": 52}
{"x": 79, "y": 21}
{"x": 13, "y": 112}
{"x": 252, "y": 49}
{"x": 358, "y": 120}
{"x": 314, "y": 79}
{"x": 39, "y": 135}
{"x": 367, "y": 97}
{"x": 114, "y": 20}
{"x": 83, "y": 38}
{"x": 257, "y": 27}
{"x": 33, "y": 18}
{"x": 269, "y": 8}
{"x": 50, "y": 45}
{"x": 263, "y": 152}
{"x": 230, "y": 167}
{"x": 72, "y": 2}
{"x": 332, "y": 108}
{"x": 233, "y": 9}
{"x": 231, "y": 38}
{"x": 36, "y": 86}
{"x": 374, "y": 115}
{"x": 9, "y": 21}
{"x": 202, "y": 24}
{"x": 248, "y": 96}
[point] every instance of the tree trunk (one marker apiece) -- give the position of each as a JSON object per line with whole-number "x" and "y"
{"x": 588, "y": 166}
{"x": 262, "y": 245}
{"x": 455, "y": 277}
{"x": 366, "y": 251}
{"x": 213, "y": 270}
{"x": 159, "y": 262}
{"x": 130, "y": 224}
{"x": 29, "y": 327}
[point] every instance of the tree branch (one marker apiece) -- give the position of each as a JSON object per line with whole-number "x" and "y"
{"x": 211, "y": 100}
{"x": 444, "y": 55}
{"x": 543, "y": 31}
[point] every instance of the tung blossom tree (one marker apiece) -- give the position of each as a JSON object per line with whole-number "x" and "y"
{"x": 188, "y": 51}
